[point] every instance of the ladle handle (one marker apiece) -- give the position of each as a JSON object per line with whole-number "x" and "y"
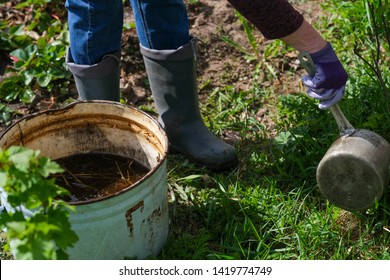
{"x": 344, "y": 125}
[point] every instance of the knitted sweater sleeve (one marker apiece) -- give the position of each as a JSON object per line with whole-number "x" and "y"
{"x": 274, "y": 18}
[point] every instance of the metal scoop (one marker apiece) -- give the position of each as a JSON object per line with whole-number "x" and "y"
{"x": 353, "y": 174}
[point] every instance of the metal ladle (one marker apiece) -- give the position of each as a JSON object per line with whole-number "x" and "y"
{"x": 354, "y": 172}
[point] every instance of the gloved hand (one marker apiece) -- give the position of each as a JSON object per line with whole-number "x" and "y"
{"x": 328, "y": 84}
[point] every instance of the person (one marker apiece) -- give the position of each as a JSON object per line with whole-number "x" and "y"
{"x": 169, "y": 54}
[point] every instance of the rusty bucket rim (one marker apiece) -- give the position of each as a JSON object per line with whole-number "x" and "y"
{"x": 106, "y": 102}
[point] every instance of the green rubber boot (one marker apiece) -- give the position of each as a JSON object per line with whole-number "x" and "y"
{"x": 173, "y": 81}
{"x": 99, "y": 81}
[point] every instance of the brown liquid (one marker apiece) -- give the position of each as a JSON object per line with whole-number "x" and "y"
{"x": 94, "y": 175}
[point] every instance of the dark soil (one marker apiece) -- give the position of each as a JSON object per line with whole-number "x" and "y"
{"x": 219, "y": 64}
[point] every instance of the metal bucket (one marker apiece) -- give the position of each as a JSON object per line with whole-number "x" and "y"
{"x": 132, "y": 223}
{"x": 353, "y": 174}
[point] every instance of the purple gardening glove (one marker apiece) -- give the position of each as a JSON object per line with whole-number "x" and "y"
{"x": 328, "y": 83}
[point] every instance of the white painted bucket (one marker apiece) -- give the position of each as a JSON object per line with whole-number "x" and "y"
{"x": 132, "y": 223}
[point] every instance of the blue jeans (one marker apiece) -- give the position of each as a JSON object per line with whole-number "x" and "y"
{"x": 95, "y": 26}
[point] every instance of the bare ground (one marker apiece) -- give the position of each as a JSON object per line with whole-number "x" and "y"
{"x": 219, "y": 63}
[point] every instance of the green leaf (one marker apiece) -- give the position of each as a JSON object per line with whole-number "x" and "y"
{"x": 44, "y": 79}
{"x": 56, "y": 73}
{"x": 5, "y": 117}
{"x": 10, "y": 88}
{"x": 41, "y": 43}
{"x": 283, "y": 138}
{"x": 29, "y": 75}
{"x": 17, "y": 30}
{"x": 20, "y": 54}
{"x": 48, "y": 167}
{"x": 21, "y": 158}
{"x": 35, "y": 249}
{"x": 16, "y": 228}
{"x": 24, "y": 55}
{"x": 22, "y": 250}
{"x": 31, "y": 50}
{"x": 27, "y": 96}
{"x": 3, "y": 179}
{"x": 190, "y": 177}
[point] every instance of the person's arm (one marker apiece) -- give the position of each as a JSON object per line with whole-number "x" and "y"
{"x": 305, "y": 39}
{"x": 277, "y": 19}
{"x": 273, "y": 18}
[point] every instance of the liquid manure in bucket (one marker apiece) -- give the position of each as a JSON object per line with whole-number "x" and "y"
{"x": 94, "y": 175}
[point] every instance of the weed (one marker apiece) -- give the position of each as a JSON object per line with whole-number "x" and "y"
{"x": 38, "y": 50}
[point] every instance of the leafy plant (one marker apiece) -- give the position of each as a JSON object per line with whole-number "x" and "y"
{"x": 253, "y": 53}
{"x": 41, "y": 62}
{"x": 41, "y": 20}
{"x": 12, "y": 37}
{"x": 359, "y": 31}
{"x": 38, "y": 48}
{"x": 262, "y": 56}
{"x": 36, "y": 221}
{"x": 376, "y": 60}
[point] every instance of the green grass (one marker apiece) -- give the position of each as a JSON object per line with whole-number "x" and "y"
{"x": 269, "y": 207}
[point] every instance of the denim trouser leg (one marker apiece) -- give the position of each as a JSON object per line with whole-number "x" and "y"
{"x": 95, "y": 28}
{"x": 161, "y": 24}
